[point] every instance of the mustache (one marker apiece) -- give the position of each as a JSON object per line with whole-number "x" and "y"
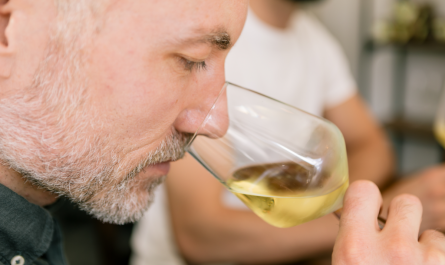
{"x": 171, "y": 149}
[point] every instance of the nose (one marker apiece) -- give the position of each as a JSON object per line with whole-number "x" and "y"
{"x": 209, "y": 117}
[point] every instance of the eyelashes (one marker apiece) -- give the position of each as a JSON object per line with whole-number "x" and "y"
{"x": 192, "y": 65}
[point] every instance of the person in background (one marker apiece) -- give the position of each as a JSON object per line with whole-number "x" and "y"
{"x": 287, "y": 54}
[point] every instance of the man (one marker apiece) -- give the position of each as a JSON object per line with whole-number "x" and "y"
{"x": 97, "y": 97}
{"x": 94, "y": 108}
{"x": 284, "y": 53}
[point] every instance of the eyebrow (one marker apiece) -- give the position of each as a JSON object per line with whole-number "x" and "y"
{"x": 220, "y": 39}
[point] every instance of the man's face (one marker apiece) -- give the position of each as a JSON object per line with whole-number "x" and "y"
{"x": 101, "y": 117}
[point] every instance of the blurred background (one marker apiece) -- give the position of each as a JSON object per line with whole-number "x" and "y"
{"x": 396, "y": 50}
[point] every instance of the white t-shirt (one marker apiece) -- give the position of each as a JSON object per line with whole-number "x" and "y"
{"x": 302, "y": 66}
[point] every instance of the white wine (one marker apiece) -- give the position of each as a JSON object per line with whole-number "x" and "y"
{"x": 284, "y": 194}
{"x": 439, "y": 132}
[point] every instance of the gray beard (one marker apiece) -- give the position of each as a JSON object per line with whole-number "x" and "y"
{"x": 104, "y": 193}
{"x": 48, "y": 134}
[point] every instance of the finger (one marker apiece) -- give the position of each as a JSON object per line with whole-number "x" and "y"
{"x": 361, "y": 207}
{"x": 404, "y": 217}
{"x": 434, "y": 238}
{"x": 433, "y": 243}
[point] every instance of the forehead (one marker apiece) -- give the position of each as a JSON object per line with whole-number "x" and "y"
{"x": 180, "y": 18}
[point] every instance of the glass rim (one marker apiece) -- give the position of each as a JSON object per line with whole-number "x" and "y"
{"x": 226, "y": 84}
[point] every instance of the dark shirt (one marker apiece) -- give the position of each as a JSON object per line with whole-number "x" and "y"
{"x": 28, "y": 233}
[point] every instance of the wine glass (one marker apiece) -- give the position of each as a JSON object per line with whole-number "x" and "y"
{"x": 285, "y": 164}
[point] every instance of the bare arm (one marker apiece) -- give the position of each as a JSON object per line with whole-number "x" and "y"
{"x": 206, "y": 231}
{"x": 369, "y": 154}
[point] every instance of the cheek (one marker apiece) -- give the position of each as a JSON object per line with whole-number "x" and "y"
{"x": 139, "y": 102}
{"x": 142, "y": 109}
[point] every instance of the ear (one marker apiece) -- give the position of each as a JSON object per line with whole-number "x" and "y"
{"x": 6, "y": 43}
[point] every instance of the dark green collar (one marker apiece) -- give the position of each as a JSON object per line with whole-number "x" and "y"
{"x": 26, "y": 229}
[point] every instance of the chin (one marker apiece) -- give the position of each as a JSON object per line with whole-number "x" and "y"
{"x": 123, "y": 204}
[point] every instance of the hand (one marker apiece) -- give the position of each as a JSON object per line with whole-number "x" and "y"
{"x": 429, "y": 187}
{"x": 360, "y": 241}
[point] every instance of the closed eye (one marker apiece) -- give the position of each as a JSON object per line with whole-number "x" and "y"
{"x": 192, "y": 65}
